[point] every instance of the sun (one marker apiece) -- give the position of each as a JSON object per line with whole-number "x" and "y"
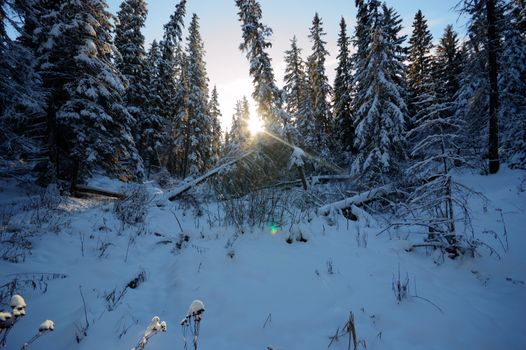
{"x": 255, "y": 125}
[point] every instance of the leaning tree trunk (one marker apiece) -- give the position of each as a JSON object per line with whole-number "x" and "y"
{"x": 493, "y": 150}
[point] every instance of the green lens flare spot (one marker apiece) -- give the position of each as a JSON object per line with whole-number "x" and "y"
{"x": 274, "y": 230}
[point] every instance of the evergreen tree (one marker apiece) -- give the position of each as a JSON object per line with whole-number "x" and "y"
{"x": 382, "y": 111}
{"x": 89, "y": 126}
{"x": 320, "y": 90}
{"x": 198, "y": 137}
{"x": 512, "y": 87}
{"x": 474, "y": 104}
{"x": 255, "y": 43}
{"x": 419, "y": 70}
{"x": 129, "y": 42}
{"x": 215, "y": 115}
{"x": 360, "y": 40}
{"x": 448, "y": 64}
{"x": 170, "y": 67}
{"x": 239, "y": 135}
{"x": 172, "y": 91}
{"x": 22, "y": 99}
{"x": 342, "y": 92}
{"x": 481, "y": 78}
{"x": 132, "y": 63}
{"x": 296, "y": 89}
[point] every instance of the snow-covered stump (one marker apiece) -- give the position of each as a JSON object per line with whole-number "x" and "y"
{"x": 192, "y": 321}
{"x": 44, "y": 328}
{"x": 296, "y": 160}
{"x": 156, "y": 326}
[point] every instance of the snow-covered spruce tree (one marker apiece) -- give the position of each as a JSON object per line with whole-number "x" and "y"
{"x": 255, "y": 43}
{"x": 89, "y": 126}
{"x": 360, "y": 41}
{"x": 170, "y": 68}
{"x": 342, "y": 92}
{"x": 485, "y": 32}
{"x": 297, "y": 91}
{"x": 320, "y": 127}
{"x": 22, "y": 99}
{"x": 239, "y": 135}
{"x": 448, "y": 64}
{"x": 129, "y": 41}
{"x": 215, "y": 115}
{"x": 198, "y": 124}
{"x": 512, "y": 87}
{"x": 132, "y": 64}
{"x": 380, "y": 107}
{"x": 419, "y": 79}
{"x": 153, "y": 136}
{"x": 393, "y": 23}
{"x": 477, "y": 100}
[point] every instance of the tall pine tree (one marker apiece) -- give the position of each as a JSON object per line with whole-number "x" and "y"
{"x": 198, "y": 124}
{"x": 297, "y": 90}
{"x": 419, "y": 79}
{"x": 381, "y": 111}
{"x": 131, "y": 62}
{"x": 214, "y": 112}
{"x": 342, "y": 92}
{"x": 255, "y": 43}
{"x": 512, "y": 87}
{"x": 320, "y": 90}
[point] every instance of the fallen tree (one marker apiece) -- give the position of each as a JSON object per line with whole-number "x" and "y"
{"x": 173, "y": 193}
{"x": 83, "y": 190}
{"x": 355, "y": 200}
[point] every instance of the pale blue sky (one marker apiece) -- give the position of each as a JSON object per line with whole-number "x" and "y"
{"x": 227, "y": 66}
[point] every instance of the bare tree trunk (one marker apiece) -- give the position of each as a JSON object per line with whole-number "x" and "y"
{"x": 493, "y": 150}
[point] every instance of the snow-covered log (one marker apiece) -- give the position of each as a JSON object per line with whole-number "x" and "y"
{"x": 173, "y": 193}
{"x": 357, "y": 199}
{"x": 82, "y": 189}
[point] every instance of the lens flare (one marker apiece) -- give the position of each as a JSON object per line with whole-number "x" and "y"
{"x": 255, "y": 125}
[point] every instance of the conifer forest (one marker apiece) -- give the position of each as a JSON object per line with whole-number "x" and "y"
{"x": 359, "y": 184}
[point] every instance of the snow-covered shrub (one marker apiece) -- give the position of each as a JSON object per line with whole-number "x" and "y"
{"x": 155, "y": 326}
{"x": 192, "y": 321}
{"x": 259, "y": 208}
{"x": 134, "y": 208}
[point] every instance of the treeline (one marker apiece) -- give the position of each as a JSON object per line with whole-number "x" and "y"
{"x": 79, "y": 93}
{"x": 423, "y": 106}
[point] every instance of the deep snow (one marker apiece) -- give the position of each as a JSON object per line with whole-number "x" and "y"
{"x": 261, "y": 292}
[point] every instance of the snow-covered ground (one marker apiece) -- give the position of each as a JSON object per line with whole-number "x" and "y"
{"x": 260, "y": 292}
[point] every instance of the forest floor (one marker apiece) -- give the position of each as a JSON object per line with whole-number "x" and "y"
{"x": 259, "y": 291}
